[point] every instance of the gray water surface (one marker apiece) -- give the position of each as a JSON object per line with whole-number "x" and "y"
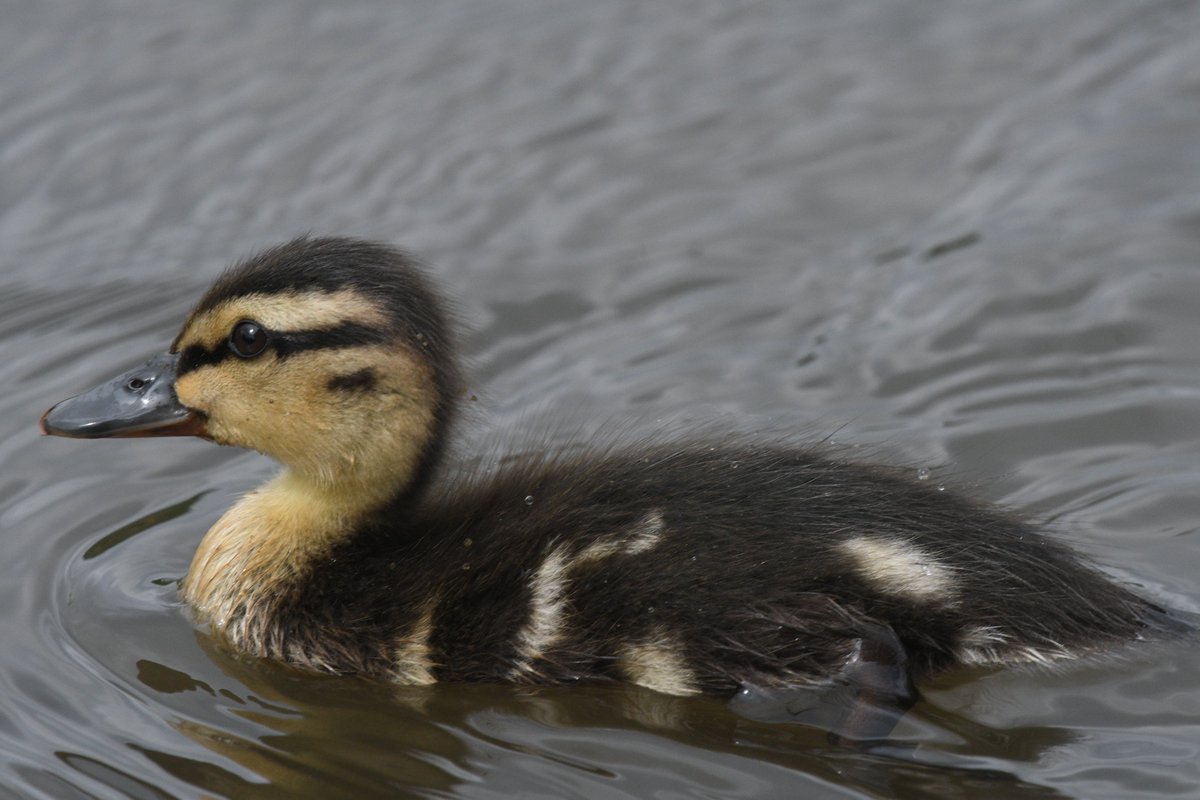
{"x": 963, "y": 237}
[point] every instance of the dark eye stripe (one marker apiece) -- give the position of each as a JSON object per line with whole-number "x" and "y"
{"x": 347, "y": 334}
{"x": 286, "y": 344}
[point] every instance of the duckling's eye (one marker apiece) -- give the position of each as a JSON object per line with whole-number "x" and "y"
{"x": 248, "y": 339}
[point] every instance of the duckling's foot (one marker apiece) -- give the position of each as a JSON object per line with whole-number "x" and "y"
{"x": 878, "y": 689}
{"x": 871, "y": 694}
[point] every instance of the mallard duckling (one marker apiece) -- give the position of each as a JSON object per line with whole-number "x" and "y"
{"x": 684, "y": 568}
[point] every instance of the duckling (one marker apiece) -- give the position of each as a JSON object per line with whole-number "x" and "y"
{"x": 685, "y": 567}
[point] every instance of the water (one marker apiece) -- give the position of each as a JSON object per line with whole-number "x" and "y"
{"x": 962, "y": 237}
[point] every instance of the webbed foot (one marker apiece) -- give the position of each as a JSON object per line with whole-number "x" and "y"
{"x": 867, "y": 699}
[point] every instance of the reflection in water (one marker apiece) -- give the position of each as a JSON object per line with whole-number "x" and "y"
{"x": 306, "y": 736}
{"x": 324, "y": 737}
{"x": 901, "y": 778}
{"x": 129, "y": 785}
{"x": 131, "y": 529}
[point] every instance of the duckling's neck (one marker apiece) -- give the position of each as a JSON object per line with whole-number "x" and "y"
{"x": 259, "y": 552}
{"x": 345, "y": 471}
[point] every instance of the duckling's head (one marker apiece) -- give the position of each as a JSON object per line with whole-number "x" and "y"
{"x": 331, "y": 355}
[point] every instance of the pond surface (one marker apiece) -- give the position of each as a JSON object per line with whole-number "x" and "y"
{"x": 963, "y": 237}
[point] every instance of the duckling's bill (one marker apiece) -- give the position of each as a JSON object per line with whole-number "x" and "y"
{"x": 140, "y": 402}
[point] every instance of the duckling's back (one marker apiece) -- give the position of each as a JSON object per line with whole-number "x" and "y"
{"x": 698, "y": 569}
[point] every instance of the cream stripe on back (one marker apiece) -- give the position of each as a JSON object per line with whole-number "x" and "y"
{"x": 644, "y": 536}
{"x": 987, "y": 644}
{"x": 658, "y": 663}
{"x": 547, "y": 620}
{"x": 547, "y": 601}
{"x": 412, "y": 661}
{"x": 898, "y": 567}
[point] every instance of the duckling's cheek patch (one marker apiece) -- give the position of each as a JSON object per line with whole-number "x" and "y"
{"x": 899, "y": 568}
